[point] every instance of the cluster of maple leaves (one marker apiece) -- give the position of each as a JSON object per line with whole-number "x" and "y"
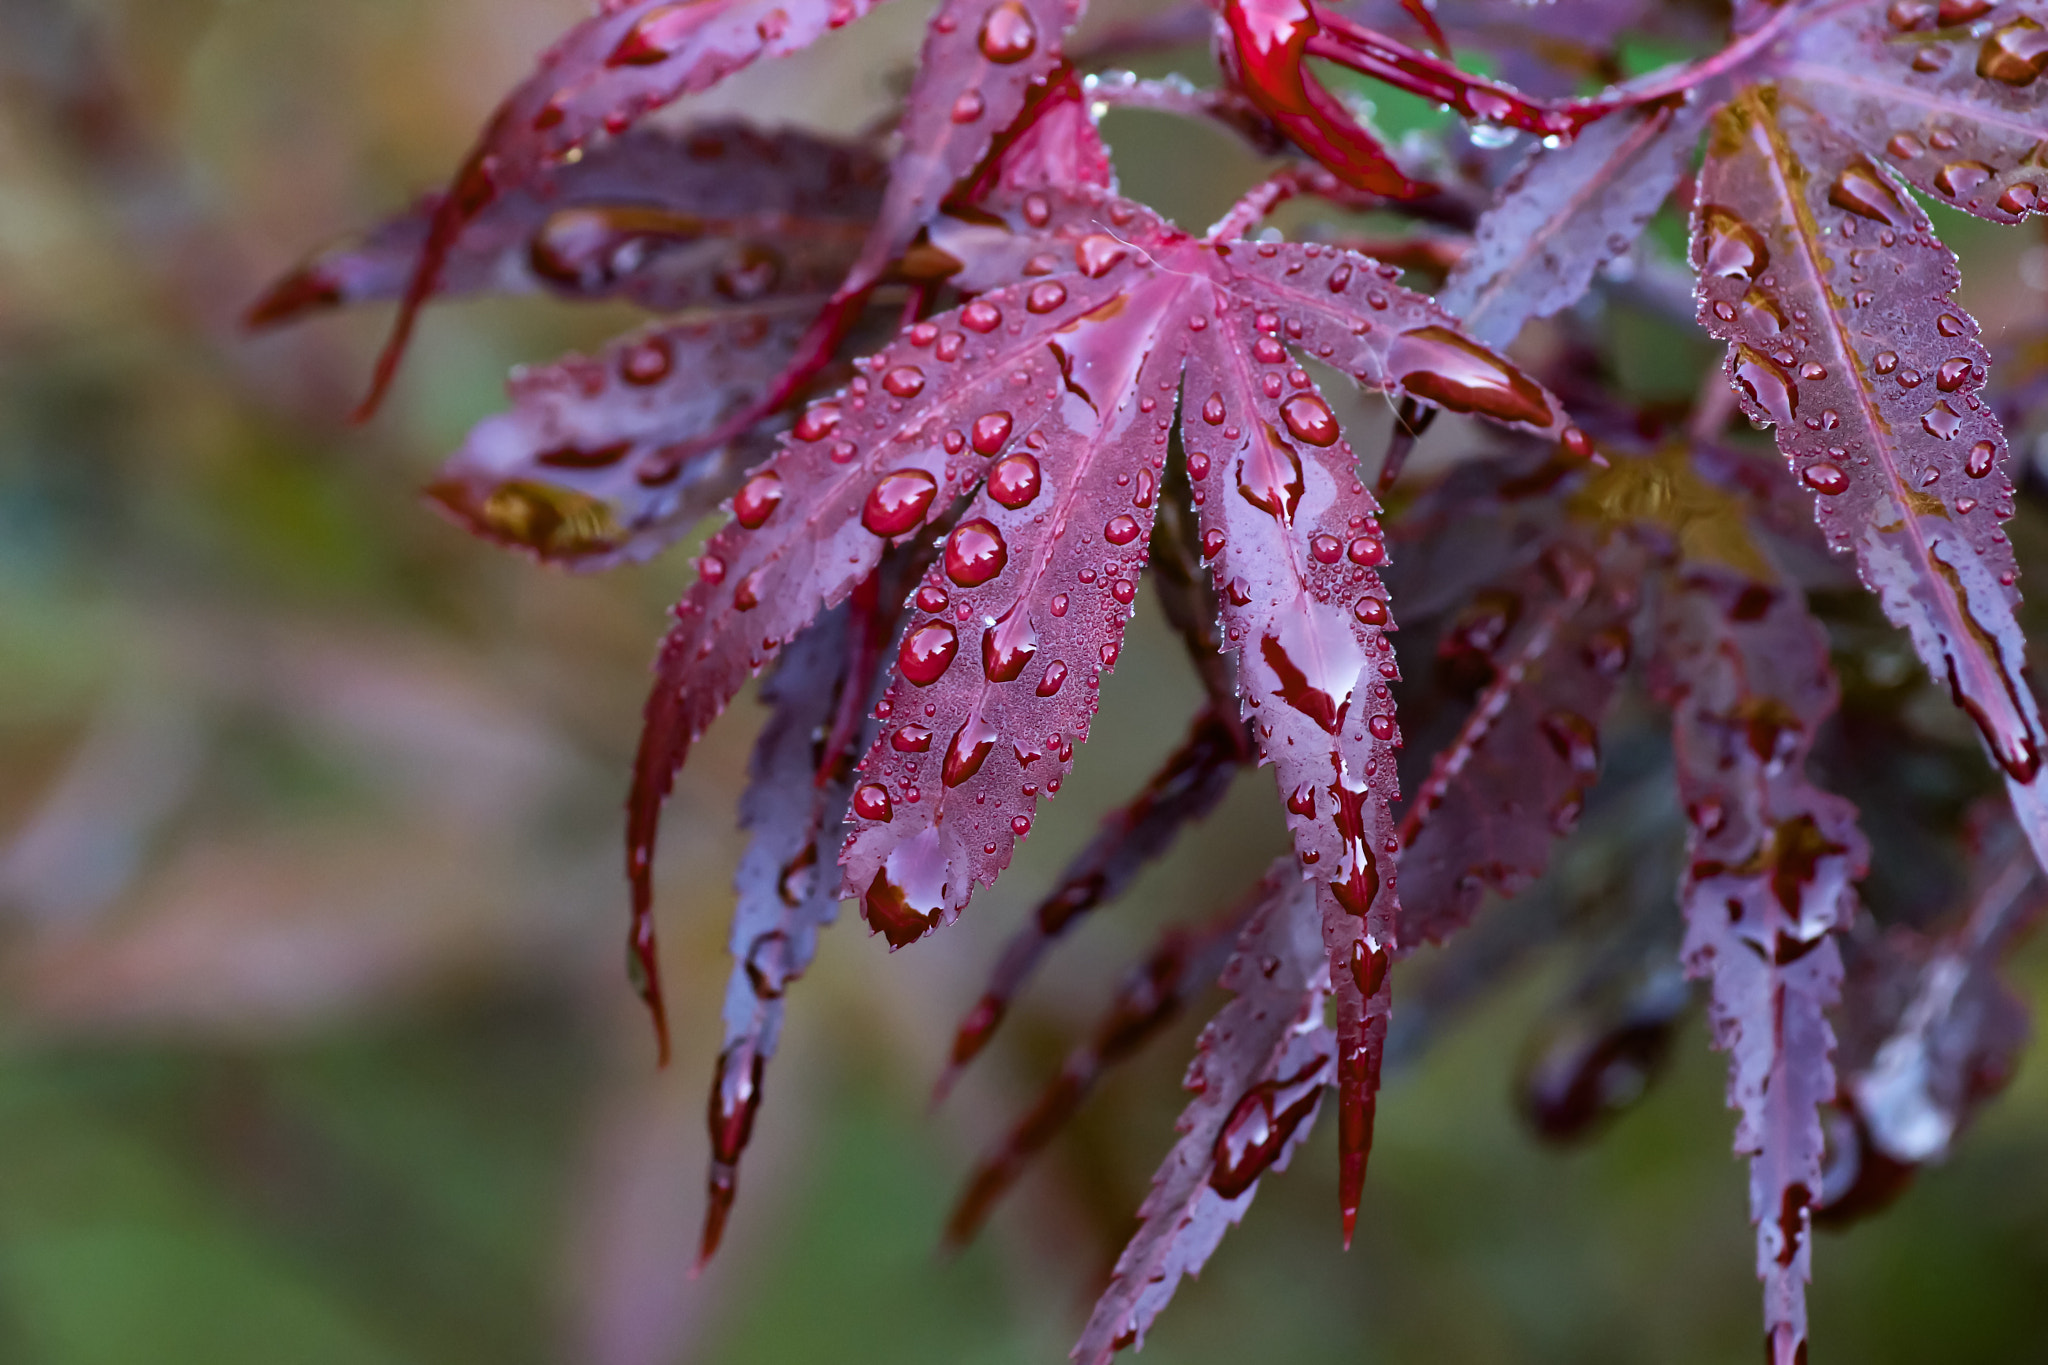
{"x": 933, "y": 550}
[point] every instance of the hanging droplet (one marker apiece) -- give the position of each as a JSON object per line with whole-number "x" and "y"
{"x": 898, "y": 502}
{"x": 1008, "y": 34}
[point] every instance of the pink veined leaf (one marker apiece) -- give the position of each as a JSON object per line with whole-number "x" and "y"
{"x": 1184, "y": 790}
{"x": 1258, "y": 1077}
{"x": 1150, "y": 997}
{"x": 602, "y": 77}
{"x": 786, "y": 888}
{"x": 1054, "y": 144}
{"x": 1838, "y": 306}
{"x": 1770, "y": 865}
{"x": 1566, "y": 212}
{"x": 997, "y": 679}
{"x": 718, "y": 215}
{"x": 1948, "y": 96}
{"x": 980, "y": 64}
{"x": 871, "y": 466}
{"x": 580, "y": 471}
{"x": 1556, "y": 639}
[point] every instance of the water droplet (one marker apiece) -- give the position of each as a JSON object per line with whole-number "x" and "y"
{"x": 905, "y": 381}
{"x": 1734, "y": 249}
{"x": 981, "y": 316}
{"x": 1982, "y": 457}
{"x": 1121, "y": 530}
{"x": 1861, "y": 189}
{"x": 1767, "y": 384}
{"x": 1823, "y": 477}
{"x": 1055, "y": 678}
{"x": 910, "y": 739}
{"x": 647, "y": 362}
{"x": 1006, "y": 647}
{"x": 757, "y": 499}
{"x": 1438, "y": 365}
{"x": 1326, "y": 549}
{"x": 1302, "y": 800}
{"x": 1097, "y": 254}
{"x": 1951, "y": 375}
{"x": 1942, "y": 420}
{"x": 1212, "y": 544}
{"x": 972, "y": 743}
{"x": 659, "y": 35}
{"x": 1812, "y": 371}
{"x": 817, "y": 422}
{"x": 1340, "y": 279}
{"x": 1607, "y": 652}
{"x": 990, "y": 430}
{"x": 1573, "y": 738}
{"x": 1904, "y": 147}
{"x": 1258, "y": 1128}
{"x": 975, "y": 553}
{"x": 1909, "y": 378}
{"x": 1008, "y": 34}
{"x": 1367, "y": 550}
{"x": 1045, "y": 296}
{"x": 711, "y": 569}
{"x": 1309, "y": 419}
{"x": 933, "y": 598}
{"x": 1949, "y": 325}
{"x": 1724, "y": 310}
{"x": 928, "y": 652}
{"x": 2014, "y": 53}
{"x": 899, "y": 502}
{"x": 968, "y": 107}
{"x": 872, "y": 802}
{"x": 1886, "y": 362}
{"x": 1381, "y": 727}
{"x": 1371, "y": 610}
{"x": 1037, "y": 213}
{"x": 1059, "y": 604}
{"x": 1958, "y": 178}
{"x": 1239, "y": 592}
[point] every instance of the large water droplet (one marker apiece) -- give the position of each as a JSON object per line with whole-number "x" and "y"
{"x": 872, "y": 802}
{"x": 1768, "y": 383}
{"x": 910, "y": 739}
{"x": 1734, "y": 249}
{"x": 1826, "y": 478}
{"x": 1258, "y": 1128}
{"x": 972, "y": 743}
{"x": 1055, "y": 678}
{"x": 928, "y": 652}
{"x": 1958, "y": 178}
{"x": 1045, "y": 296}
{"x": 1007, "y": 647}
{"x": 817, "y": 422}
{"x": 1014, "y": 481}
{"x": 757, "y": 499}
{"x": 1121, "y": 530}
{"x": 1008, "y": 34}
{"x": 1309, "y": 419}
{"x": 1952, "y": 374}
{"x": 975, "y": 553}
{"x": 981, "y": 316}
{"x": 2014, "y": 53}
{"x": 1982, "y": 457}
{"x": 1861, "y": 189}
{"x": 1438, "y": 365}
{"x": 1212, "y": 410}
{"x": 1942, "y": 420}
{"x": 898, "y": 502}
{"x": 1316, "y": 661}
{"x": 1097, "y": 254}
{"x": 905, "y": 381}
{"x": 1269, "y": 475}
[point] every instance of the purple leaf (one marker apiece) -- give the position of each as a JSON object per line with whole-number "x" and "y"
{"x": 1258, "y": 1076}
{"x": 581, "y": 471}
{"x": 1821, "y": 273}
{"x": 1770, "y": 863}
{"x": 1555, "y": 641}
{"x": 786, "y": 888}
{"x": 1566, "y": 212}
{"x": 1149, "y": 998}
{"x": 717, "y": 215}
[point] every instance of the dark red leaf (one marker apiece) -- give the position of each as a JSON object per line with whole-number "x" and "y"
{"x": 1770, "y": 865}
{"x": 603, "y": 76}
{"x": 1555, "y": 641}
{"x": 1149, "y": 998}
{"x": 1838, "y": 304}
{"x": 581, "y": 471}
{"x": 1257, "y": 1078}
{"x": 717, "y": 215}
{"x": 1183, "y": 791}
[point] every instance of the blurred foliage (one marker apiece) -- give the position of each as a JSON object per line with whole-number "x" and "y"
{"x": 314, "y": 1042}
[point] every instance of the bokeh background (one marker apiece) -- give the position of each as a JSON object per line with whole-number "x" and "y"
{"x": 315, "y": 1044}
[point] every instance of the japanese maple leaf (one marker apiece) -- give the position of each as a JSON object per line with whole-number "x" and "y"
{"x": 1041, "y": 411}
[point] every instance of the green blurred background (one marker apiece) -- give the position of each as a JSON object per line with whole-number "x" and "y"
{"x": 315, "y": 1044}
